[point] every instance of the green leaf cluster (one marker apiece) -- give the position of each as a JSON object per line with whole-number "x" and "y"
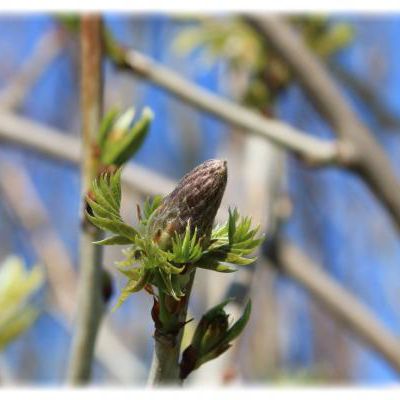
{"x": 231, "y": 243}
{"x": 247, "y": 52}
{"x": 146, "y": 263}
{"x": 120, "y": 137}
{"x": 17, "y": 285}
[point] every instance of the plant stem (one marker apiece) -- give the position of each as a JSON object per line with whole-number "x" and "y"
{"x": 165, "y": 365}
{"x": 90, "y": 303}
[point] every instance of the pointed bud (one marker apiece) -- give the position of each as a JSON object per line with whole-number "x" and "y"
{"x": 195, "y": 200}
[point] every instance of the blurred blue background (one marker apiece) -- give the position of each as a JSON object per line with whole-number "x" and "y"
{"x": 336, "y": 219}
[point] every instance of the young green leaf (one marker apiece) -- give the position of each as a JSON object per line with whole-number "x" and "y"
{"x": 128, "y": 141}
{"x": 150, "y": 205}
{"x": 114, "y": 226}
{"x": 105, "y": 208}
{"x": 133, "y": 286}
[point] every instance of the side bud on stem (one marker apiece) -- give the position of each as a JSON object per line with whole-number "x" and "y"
{"x": 211, "y": 338}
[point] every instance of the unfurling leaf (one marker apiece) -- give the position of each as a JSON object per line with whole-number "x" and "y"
{"x": 150, "y": 205}
{"x": 134, "y": 285}
{"x": 105, "y": 202}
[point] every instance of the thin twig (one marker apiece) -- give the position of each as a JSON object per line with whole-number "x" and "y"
{"x": 309, "y": 148}
{"x": 341, "y": 304}
{"x": 90, "y": 302}
{"x": 61, "y": 276}
{"x": 368, "y": 158}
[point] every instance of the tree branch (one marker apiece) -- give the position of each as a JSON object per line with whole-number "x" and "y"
{"x": 309, "y": 148}
{"x": 368, "y": 158}
{"x": 368, "y": 95}
{"x": 90, "y": 303}
{"x": 341, "y": 304}
{"x": 58, "y": 145}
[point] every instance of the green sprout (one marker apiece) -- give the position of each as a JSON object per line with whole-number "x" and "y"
{"x": 246, "y": 51}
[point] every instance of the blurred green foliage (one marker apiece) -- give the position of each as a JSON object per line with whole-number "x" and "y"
{"x": 246, "y": 51}
{"x": 17, "y": 285}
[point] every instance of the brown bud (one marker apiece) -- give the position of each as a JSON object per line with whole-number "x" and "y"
{"x": 196, "y": 199}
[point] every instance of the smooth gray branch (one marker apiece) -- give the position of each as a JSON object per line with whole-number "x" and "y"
{"x": 309, "y": 148}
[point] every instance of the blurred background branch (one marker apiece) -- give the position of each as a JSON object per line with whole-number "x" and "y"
{"x": 368, "y": 158}
{"x": 342, "y": 305}
{"x": 65, "y": 147}
{"x": 313, "y": 150}
{"x": 366, "y": 93}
